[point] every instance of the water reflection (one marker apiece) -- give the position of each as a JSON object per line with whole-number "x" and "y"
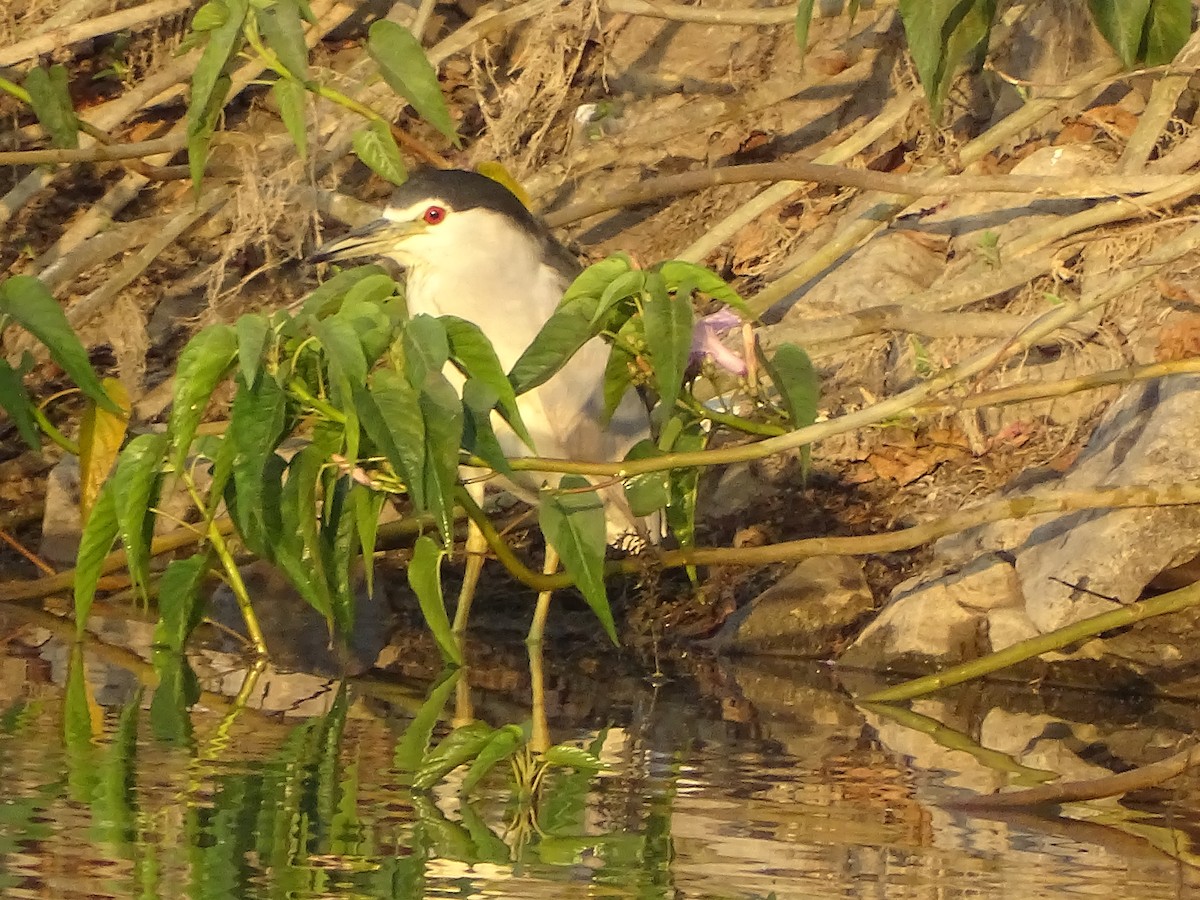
{"x": 128, "y": 774}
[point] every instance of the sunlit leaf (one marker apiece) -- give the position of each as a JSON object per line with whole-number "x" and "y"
{"x": 344, "y": 354}
{"x": 571, "y": 326}
{"x": 376, "y": 147}
{"x": 99, "y": 532}
{"x": 101, "y": 434}
{"x": 203, "y": 365}
{"x": 459, "y": 746}
{"x": 180, "y": 606}
{"x": 209, "y": 16}
{"x": 50, "y": 97}
{"x": 573, "y": 521}
{"x": 135, "y": 484}
{"x": 405, "y": 68}
{"x": 796, "y": 380}
{"x": 940, "y": 35}
{"x": 30, "y": 304}
{"x": 425, "y": 578}
{"x": 201, "y": 126}
{"x": 426, "y": 347}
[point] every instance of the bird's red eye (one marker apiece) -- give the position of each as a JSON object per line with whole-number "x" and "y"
{"x": 434, "y": 215}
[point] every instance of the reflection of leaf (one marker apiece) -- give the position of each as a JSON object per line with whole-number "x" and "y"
{"x": 502, "y": 744}
{"x": 459, "y": 746}
{"x": 82, "y": 723}
{"x": 112, "y": 806}
{"x": 177, "y": 690}
{"x": 414, "y": 743}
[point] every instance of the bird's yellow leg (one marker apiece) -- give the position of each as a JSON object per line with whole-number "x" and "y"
{"x": 543, "y": 601}
{"x": 475, "y": 550}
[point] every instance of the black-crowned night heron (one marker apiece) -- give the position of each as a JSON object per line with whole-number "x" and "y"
{"x": 471, "y": 249}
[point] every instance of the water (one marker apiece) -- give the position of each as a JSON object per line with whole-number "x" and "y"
{"x": 734, "y": 779}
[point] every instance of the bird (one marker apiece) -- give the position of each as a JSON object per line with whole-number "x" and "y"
{"x": 470, "y": 248}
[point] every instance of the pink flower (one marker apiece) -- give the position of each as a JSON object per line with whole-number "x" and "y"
{"x": 706, "y": 342}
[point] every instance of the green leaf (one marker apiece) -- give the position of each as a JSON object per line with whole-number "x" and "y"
{"x": 291, "y": 98}
{"x": 390, "y": 413}
{"x": 344, "y": 353}
{"x": 368, "y": 505}
{"x": 223, "y": 42}
{"x": 668, "y": 325}
{"x": 253, "y": 331}
{"x": 50, "y": 97}
{"x": 337, "y": 550}
{"x": 425, "y": 578}
{"x": 256, "y": 426}
{"x": 568, "y": 329}
{"x": 573, "y": 324}
{"x": 621, "y": 366}
{"x": 479, "y": 437}
{"x": 472, "y": 353}
{"x": 31, "y": 305}
{"x": 796, "y": 380}
{"x": 804, "y": 11}
{"x": 300, "y": 554}
{"x": 940, "y": 35}
{"x": 376, "y": 147}
{"x": 203, "y": 365}
{"x": 571, "y": 757}
{"x": 441, "y": 408}
{"x": 1168, "y": 27}
{"x": 283, "y": 32}
{"x": 678, "y": 273}
{"x": 462, "y": 744}
{"x": 405, "y": 68}
{"x": 209, "y": 16}
{"x": 328, "y": 298}
{"x": 426, "y": 347}
{"x": 681, "y": 511}
{"x": 414, "y": 742}
{"x": 574, "y": 525}
{"x": 649, "y": 492}
{"x": 180, "y": 605}
{"x": 1122, "y": 23}
{"x": 14, "y": 400}
{"x": 201, "y": 126}
{"x": 99, "y": 532}
{"x": 135, "y": 482}
{"x": 504, "y": 742}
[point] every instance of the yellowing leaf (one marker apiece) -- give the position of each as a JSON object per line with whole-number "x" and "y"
{"x": 100, "y": 436}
